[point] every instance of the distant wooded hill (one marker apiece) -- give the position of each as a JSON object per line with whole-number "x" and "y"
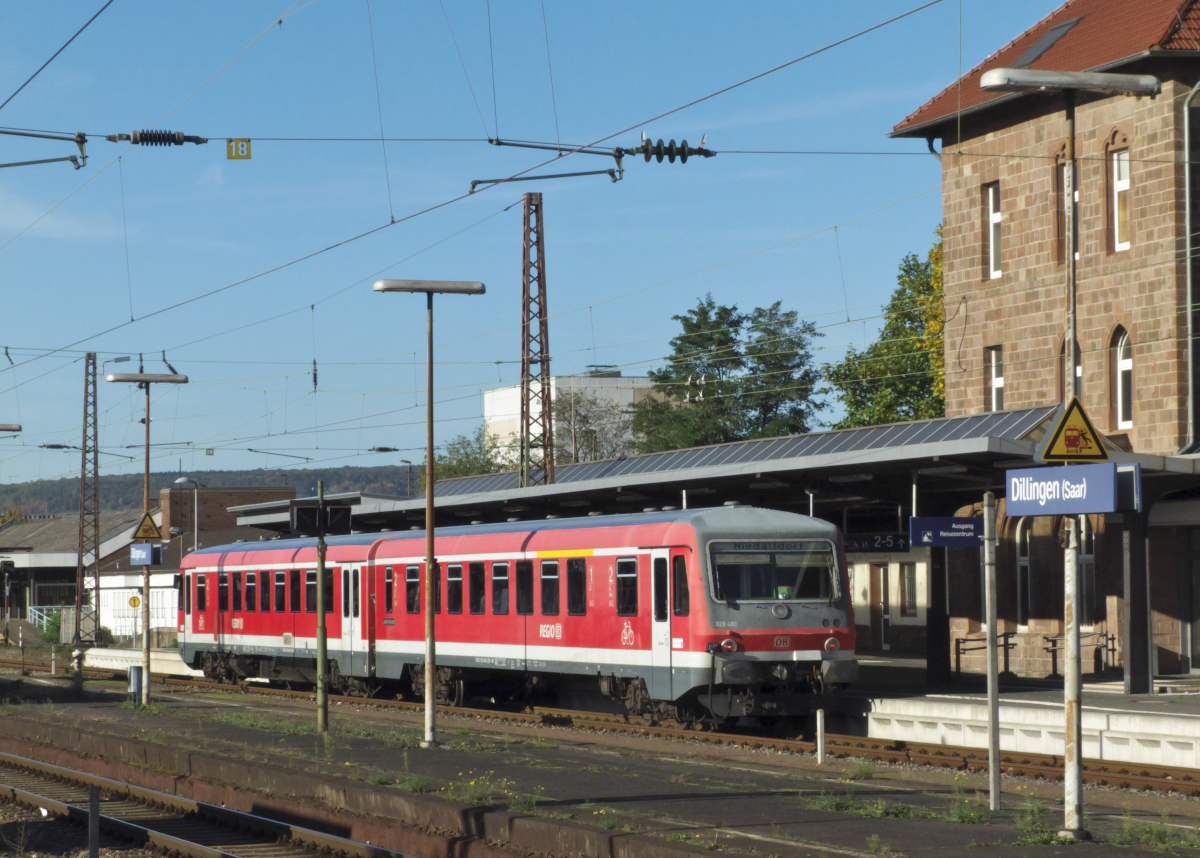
{"x": 52, "y": 497}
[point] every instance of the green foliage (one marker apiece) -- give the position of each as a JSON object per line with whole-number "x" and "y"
{"x": 468, "y": 456}
{"x": 53, "y": 631}
{"x": 416, "y": 784}
{"x": 731, "y": 376}
{"x": 902, "y": 375}
{"x": 1152, "y": 835}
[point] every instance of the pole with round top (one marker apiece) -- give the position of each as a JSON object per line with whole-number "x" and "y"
{"x": 144, "y": 380}
{"x": 429, "y": 287}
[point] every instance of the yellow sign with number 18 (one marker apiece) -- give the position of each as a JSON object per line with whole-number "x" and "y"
{"x": 237, "y": 149}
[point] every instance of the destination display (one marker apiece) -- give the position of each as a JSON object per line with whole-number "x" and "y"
{"x": 945, "y": 532}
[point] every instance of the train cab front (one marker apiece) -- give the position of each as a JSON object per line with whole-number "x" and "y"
{"x": 782, "y": 629}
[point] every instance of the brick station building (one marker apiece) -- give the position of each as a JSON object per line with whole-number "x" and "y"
{"x": 1004, "y": 206}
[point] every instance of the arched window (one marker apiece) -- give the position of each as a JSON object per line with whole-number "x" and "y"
{"x": 1122, "y": 375}
{"x": 1024, "y": 531}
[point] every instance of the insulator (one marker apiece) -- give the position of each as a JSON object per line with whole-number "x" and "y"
{"x": 683, "y": 153}
{"x": 156, "y": 138}
{"x": 659, "y": 150}
{"x": 671, "y": 151}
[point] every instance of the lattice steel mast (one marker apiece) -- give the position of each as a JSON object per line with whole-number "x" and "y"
{"x": 87, "y": 610}
{"x": 537, "y": 427}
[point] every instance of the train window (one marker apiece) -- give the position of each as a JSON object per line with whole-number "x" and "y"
{"x": 237, "y": 591}
{"x": 354, "y": 597}
{"x": 294, "y": 590}
{"x": 330, "y": 577}
{"x": 577, "y": 586}
{"x": 524, "y": 587}
{"x": 187, "y": 594}
{"x": 550, "y": 588}
{"x": 793, "y": 570}
{"x": 437, "y": 587}
{"x": 223, "y": 591}
{"x": 179, "y": 588}
{"x": 310, "y": 591}
{"x": 202, "y": 593}
{"x": 345, "y": 592}
{"x": 660, "y": 589}
{"x": 454, "y": 588}
{"x": 389, "y": 589}
{"x": 679, "y": 586}
{"x": 476, "y": 588}
{"x": 280, "y": 592}
{"x": 264, "y": 593}
{"x": 627, "y": 587}
{"x": 412, "y": 589}
{"x": 499, "y": 588}
{"x": 251, "y": 591}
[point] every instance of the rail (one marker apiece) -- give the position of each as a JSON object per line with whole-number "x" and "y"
{"x": 175, "y": 824}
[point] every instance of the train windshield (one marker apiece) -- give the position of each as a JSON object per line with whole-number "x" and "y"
{"x": 773, "y": 571}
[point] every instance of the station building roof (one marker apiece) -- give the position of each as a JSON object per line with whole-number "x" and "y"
{"x": 863, "y": 472}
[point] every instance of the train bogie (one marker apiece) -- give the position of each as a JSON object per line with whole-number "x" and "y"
{"x": 715, "y": 613}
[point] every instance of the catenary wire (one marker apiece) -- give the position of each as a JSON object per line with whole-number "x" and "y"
{"x": 56, "y": 53}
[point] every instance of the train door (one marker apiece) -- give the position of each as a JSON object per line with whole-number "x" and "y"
{"x": 660, "y": 619}
{"x": 204, "y": 605}
{"x": 681, "y": 609}
{"x": 354, "y": 643}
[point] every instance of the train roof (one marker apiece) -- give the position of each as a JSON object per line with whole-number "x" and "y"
{"x": 737, "y": 517}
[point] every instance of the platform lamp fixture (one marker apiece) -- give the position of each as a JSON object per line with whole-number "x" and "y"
{"x": 1069, "y": 84}
{"x": 196, "y": 486}
{"x": 143, "y": 380}
{"x": 429, "y": 287}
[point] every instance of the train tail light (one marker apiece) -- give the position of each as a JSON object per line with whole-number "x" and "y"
{"x": 832, "y": 645}
{"x": 729, "y": 645}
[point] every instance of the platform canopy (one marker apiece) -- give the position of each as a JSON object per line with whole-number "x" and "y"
{"x": 866, "y": 472}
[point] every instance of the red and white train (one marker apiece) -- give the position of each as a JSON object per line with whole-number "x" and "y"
{"x": 693, "y": 614}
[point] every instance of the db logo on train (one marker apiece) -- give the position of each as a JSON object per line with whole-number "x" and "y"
{"x": 627, "y": 634}
{"x": 782, "y": 643}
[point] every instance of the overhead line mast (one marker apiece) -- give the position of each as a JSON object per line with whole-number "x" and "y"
{"x": 537, "y": 428}
{"x": 87, "y": 607}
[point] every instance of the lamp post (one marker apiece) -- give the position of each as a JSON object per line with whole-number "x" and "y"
{"x": 144, "y": 380}
{"x": 429, "y": 287}
{"x": 1070, "y": 83}
{"x": 196, "y": 486}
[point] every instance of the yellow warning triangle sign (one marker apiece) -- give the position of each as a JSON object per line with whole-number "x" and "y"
{"x": 1074, "y": 438}
{"x": 148, "y": 529}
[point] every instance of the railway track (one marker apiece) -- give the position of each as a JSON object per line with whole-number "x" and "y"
{"x": 177, "y": 825}
{"x": 1044, "y": 766}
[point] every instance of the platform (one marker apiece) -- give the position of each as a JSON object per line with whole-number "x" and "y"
{"x": 162, "y": 661}
{"x": 1157, "y": 729}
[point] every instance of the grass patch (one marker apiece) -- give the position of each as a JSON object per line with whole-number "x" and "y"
{"x": 1154, "y": 835}
{"x": 150, "y": 710}
{"x": 481, "y": 788}
{"x": 831, "y": 803}
{"x": 860, "y": 770}
{"x": 877, "y": 848}
{"x": 562, "y": 817}
{"x": 274, "y": 725}
{"x": 379, "y": 780}
{"x": 417, "y": 784}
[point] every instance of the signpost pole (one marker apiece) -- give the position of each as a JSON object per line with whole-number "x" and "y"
{"x": 146, "y": 571}
{"x": 322, "y": 641}
{"x": 993, "y": 677}
{"x": 1072, "y": 727}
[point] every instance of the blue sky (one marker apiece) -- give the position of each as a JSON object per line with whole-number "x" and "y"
{"x": 197, "y": 222}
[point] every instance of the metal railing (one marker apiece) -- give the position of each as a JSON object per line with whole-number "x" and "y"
{"x": 1107, "y": 643}
{"x": 1003, "y": 641}
{"x": 40, "y": 616}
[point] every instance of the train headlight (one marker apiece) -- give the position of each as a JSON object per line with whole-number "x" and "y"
{"x": 780, "y": 672}
{"x": 832, "y": 645}
{"x": 729, "y": 645}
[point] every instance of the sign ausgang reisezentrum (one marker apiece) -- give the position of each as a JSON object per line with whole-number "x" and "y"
{"x": 945, "y": 532}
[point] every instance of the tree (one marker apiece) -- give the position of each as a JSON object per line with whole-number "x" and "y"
{"x": 588, "y": 428}
{"x": 731, "y": 376}
{"x": 468, "y": 456}
{"x": 902, "y": 375}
